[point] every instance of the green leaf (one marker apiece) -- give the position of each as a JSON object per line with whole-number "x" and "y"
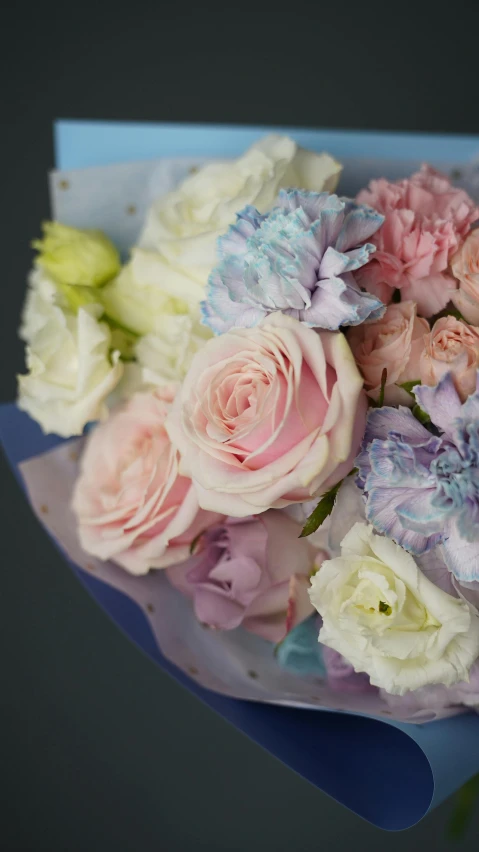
{"x": 321, "y": 512}
{"x": 420, "y": 414}
{"x": 408, "y": 386}
{"x": 114, "y": 324}
{"x": 384, "y": 378}
{"x": 449, "y": 311}
{"x": 125, "y": 342}
{"x": 465, "y": 804}
{"x": 195, "y": 542}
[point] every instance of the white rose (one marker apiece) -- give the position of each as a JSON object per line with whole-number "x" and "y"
{"x": 185, "y": 224}
{"x": 389, "y": 620}
{"x": 70, "y": 370}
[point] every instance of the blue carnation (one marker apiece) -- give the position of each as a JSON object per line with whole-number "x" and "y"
{"x": 422, "y": 488}
{"x": 300, "y": 259}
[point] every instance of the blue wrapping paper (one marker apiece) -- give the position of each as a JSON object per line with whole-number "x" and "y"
{"x": 390, "y": 773}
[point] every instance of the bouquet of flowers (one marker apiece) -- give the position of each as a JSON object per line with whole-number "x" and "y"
{"x": 279, "y": 388}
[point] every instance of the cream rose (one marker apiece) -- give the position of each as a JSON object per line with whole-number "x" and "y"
{"x": 389, "y": 620}
{"x": 183, "y": 225}
{"x": 465, "y": 268}
{"x": 451, "y": 347}
{"x": 268, "y": 416}
{"x": 70, "y": 369}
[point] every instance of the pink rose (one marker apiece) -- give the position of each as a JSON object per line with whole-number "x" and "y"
{"x": 451, "y": 346}
{"x": 426, "y": 220}
{"x": 465, "y": 267}
{"x": 268, "y": 416}
{"x": 394, "y": 342}
{"x": 252, "y": 572}
{"x": 131, "y": 504}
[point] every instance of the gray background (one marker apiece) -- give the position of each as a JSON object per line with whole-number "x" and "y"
{"x": 100, "y": 750}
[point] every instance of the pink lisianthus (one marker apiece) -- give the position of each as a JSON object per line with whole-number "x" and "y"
{"x": 252, "y": 572}
{"x": 426, "y": 221}
{"x": 451, "y": 347}
{"x": 268, "y": 416}
{"x": 131, "y": 504}
{"x": 394, "y": 342}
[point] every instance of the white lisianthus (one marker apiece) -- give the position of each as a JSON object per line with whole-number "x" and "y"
{"x": 163, "y": 309}
{"x": 185, "y": 224}
{"x": 166, "y": 354}
{"x": 389, "y": 620}
{"x": 70, "y": 370}
{"x": 147, "y": 289}
{"x": 76, "y": 257}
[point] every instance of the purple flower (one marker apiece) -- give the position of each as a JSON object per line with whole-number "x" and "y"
{"x": 298, "y": 259}
{"x": 423, "y": 488}
{"x": 341, "y": 676}
{"x": 252, "y": 572}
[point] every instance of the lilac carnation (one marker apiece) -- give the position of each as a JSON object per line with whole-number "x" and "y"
{"x": 423, "y": 488}
{"x": 298, "y": 259}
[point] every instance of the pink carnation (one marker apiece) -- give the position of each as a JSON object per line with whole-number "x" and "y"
{"x": 426, "y": 221}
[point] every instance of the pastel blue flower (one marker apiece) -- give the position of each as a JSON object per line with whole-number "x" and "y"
{"x": 299, "y": 259}
{"x": 423, "y": 488}
{"x": 300, "y": 652}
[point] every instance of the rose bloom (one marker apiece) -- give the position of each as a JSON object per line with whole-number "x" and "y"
{"x": 252, "y": 572}
{"x": 426, "y": 220}
{"x": 394, "y": 342}
{"x": 268, "y": 416}
{"x": 384, "y": 615}
{"x": 451, "y": 347}
{"x": 183, "y": 225}
{"x": 131, "y": 504}
{"x": 465, "y": 268}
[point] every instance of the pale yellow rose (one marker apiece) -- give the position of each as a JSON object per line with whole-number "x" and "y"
{"x": 183, "y": 225}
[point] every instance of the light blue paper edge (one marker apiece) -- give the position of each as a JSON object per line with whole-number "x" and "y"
{"x": 79, "y": 144}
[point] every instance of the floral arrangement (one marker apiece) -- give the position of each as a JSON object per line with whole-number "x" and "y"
{"x": 280, "y": 390}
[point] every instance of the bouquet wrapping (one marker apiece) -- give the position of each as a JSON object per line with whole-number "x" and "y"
{"x": 284, "y": 374}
